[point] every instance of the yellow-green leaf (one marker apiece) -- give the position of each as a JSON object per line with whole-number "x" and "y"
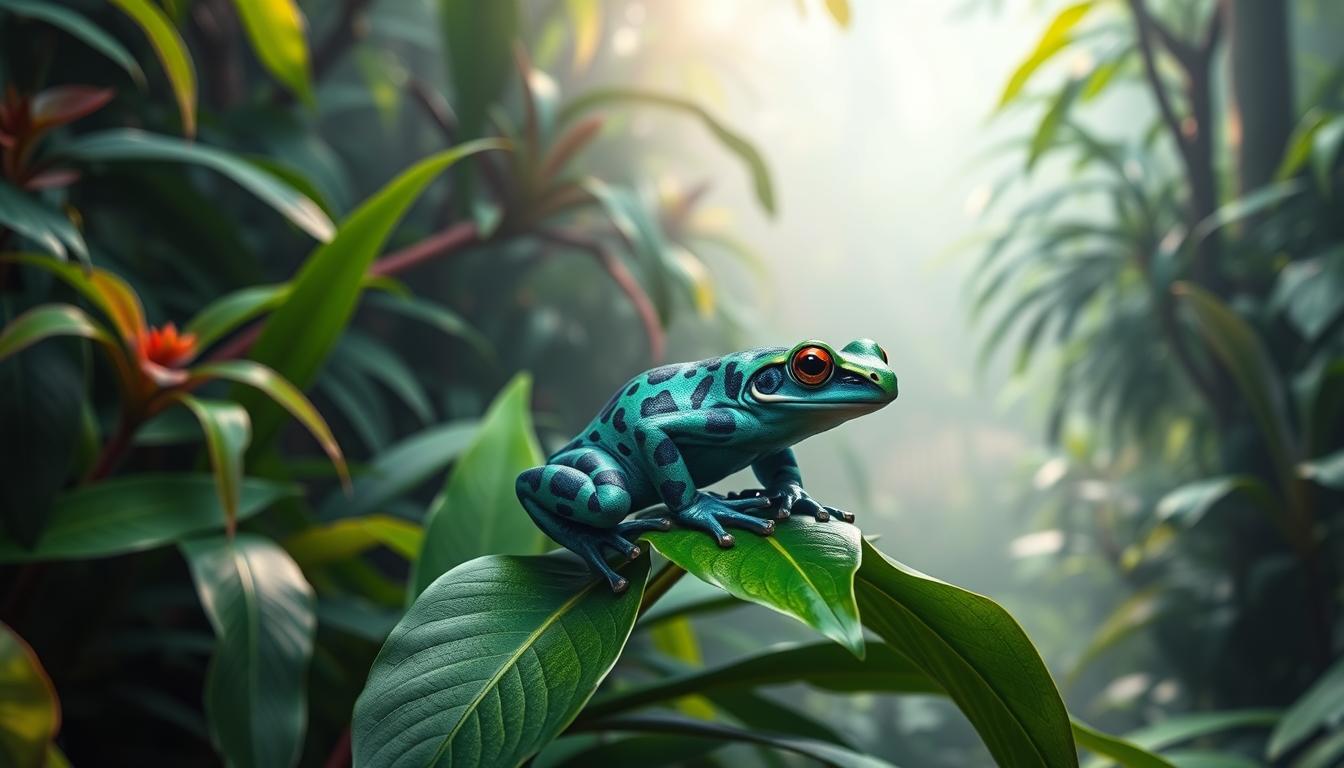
{"x": 346, "y": 538}
{"x": 275, "y": 28}
{"x": 30, "y": 713}
{"x": 1057, "y": 37}
{"x": 103, "y": 289}
{"x": 172, "y": 53}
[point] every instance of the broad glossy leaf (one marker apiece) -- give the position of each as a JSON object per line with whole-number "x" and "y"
{"x": 436, "y": 316}
{"x": 227, "y": 432}
{"x": 288, "y": 396}
{"x": 1322, "y": 706}
{"x": 822, "y": 752}
{"x": 400, "y": 468}
{"x": 1126, "y": 753}
{"x": 263, "y": 614}
{"x": 275, "y": 28}
{"x": 30, "y": 713}
{"x": 300, "y": 334}
{"x": 1057, "y": 36}
{"x": 478, "y": 512}
{"x": 824, "y": 665}
{"x": 232, "y": 310}
{"x": 976, "y": 652}
{"x": 731, "y": 140}
{"x": 109, "y": 293}
{"x": 46, "y": 321}
{"x": 131, "y": 145}
{"x": 1183, "y": 728}
{"x": 172, "y": 53}
{"x": 138, "y": 512}
{"x": 352, "y": 536}
{"x": 493, "y": 661}
{"x": 40, "y": 223}
{"x": 479, "y": 41}
{"x": 804, "y": 570}
{"x": 80, "y": 27}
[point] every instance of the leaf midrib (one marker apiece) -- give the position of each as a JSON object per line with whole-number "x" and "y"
{"x": 976, "y": 670}
{"x": 494, "y": 679}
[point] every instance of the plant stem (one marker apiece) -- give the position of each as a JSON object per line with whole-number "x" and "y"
{"x": 658, "y": 586}
{"x": 114, "y": 449}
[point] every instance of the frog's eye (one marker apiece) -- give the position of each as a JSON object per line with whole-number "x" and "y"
{"x": 812, "y": 366}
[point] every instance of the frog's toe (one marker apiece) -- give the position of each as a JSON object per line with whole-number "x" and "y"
{"x": 840, "y": 514}
{"x": 643, "y": 525}
{"x": 620, "y": 545}
{"x": 751, "y": 523}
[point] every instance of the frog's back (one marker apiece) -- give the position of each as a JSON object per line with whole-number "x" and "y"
{"x": 666, "y": 389}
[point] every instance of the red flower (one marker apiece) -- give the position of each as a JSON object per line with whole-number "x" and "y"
{"x": 165, "y": 347}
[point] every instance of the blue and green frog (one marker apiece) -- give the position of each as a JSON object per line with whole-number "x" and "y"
{"x": 675, "y": 429}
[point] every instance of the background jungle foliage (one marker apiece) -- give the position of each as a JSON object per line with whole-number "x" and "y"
{"x": 292, "y": 291}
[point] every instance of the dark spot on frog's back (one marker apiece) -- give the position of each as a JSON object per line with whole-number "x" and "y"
{"x": 593, "y": 504}
{"x": 732, "y": 381}
{"x": 663, "y": 403}
{"x": 713, "y": 363}
{"x": 623, "y": 448}
{"x": 565, "y": 485}
{"x": 660, "y": 375}
{"x": 618, "y": 420}
{"x": 532, "y": 477}
{"x": 701, "y": 391}
{"x": 720, "y": 423}
{"x": 690, "y": 372}
{"x": 564, "y": 510}
{"x": 609, "y": 477}
{"x": 595, "y": 436}
{"x": 632, "y": 390}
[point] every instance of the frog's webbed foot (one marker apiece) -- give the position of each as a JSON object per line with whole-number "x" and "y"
{"x": 793, "y": 498}
{"x": 710, "y": 513}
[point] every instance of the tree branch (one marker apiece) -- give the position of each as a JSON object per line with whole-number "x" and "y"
{"x": 653, "y": 330}
{"x": 1144, "y": 26}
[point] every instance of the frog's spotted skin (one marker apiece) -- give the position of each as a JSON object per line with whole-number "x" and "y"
{"x": 677, "y": 428}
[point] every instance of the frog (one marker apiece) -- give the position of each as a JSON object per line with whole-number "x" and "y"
{"x": 671, "y": 431}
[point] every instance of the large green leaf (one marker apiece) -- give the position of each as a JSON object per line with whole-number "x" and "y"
{"x": 479, "y": 39}
{"x": 80, "y": 27}
{"x": 1187, "y": 505}
{"x": 1306, "y": 292}
{"x": 30, "y": 713}
{"x": 227, "y": 432}
{"x": 1056, "y": 38}
{"x": 139, "y": 512}
{"x": 300, "y": 334}
{"x": 824, "y": 665}
{"x": 804, "y": 570}
{"x": 41, "y": 223}
{"x": 263, "y": 614}
{"x": 232, "y": 310}
{"x": 493, "y": 661}
{"x": 1322, "y": 706}
{"x": 823, "y": 752}
{"x": 730, "y": 139}
{"x": 275, "y": 28}
{"x": 135, "y": 146}
{"x": 401, "y": 468}
{"x": 1327, "y": 470}
{"x": 976, "y": 652}
{"x": 46, "y": 321}
{"x": 478, "y": 512}
{"x": 172, "y": 53}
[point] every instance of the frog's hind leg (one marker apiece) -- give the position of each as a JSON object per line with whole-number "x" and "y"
{"x": 579, "y": 500}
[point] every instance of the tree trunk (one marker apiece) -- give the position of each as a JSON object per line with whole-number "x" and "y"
{"x": 1262, "y": 86}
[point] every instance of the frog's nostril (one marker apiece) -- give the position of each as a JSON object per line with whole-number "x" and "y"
{"x": 873, "y": 376}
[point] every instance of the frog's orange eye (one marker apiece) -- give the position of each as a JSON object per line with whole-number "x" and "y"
{"x": 812, "y": 366}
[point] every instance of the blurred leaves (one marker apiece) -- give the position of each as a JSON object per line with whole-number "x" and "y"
{"x": 262, "y": 611}
{"x": 79, "y": 27}
{"x": 1058, "y": 36}
{"x": 42, "y": 224}
{"x": 30, "y": 713}
{"x": 172, "y": 53}
{"x": 275, "y": 28}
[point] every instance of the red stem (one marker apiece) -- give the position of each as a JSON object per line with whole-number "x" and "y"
{"x": 113, "y": 450}
{"x": 340, "y": 753}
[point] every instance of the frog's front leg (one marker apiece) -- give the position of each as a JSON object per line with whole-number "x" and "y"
{"x": 778, "y": 472}
{"x": 579, "y": 500}
{"x": 667, "y": 468}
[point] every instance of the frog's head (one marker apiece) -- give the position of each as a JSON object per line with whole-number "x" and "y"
{"x": 820, "y": 386}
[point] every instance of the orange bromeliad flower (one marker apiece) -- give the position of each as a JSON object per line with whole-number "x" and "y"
{"x": 165, "y": 347}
